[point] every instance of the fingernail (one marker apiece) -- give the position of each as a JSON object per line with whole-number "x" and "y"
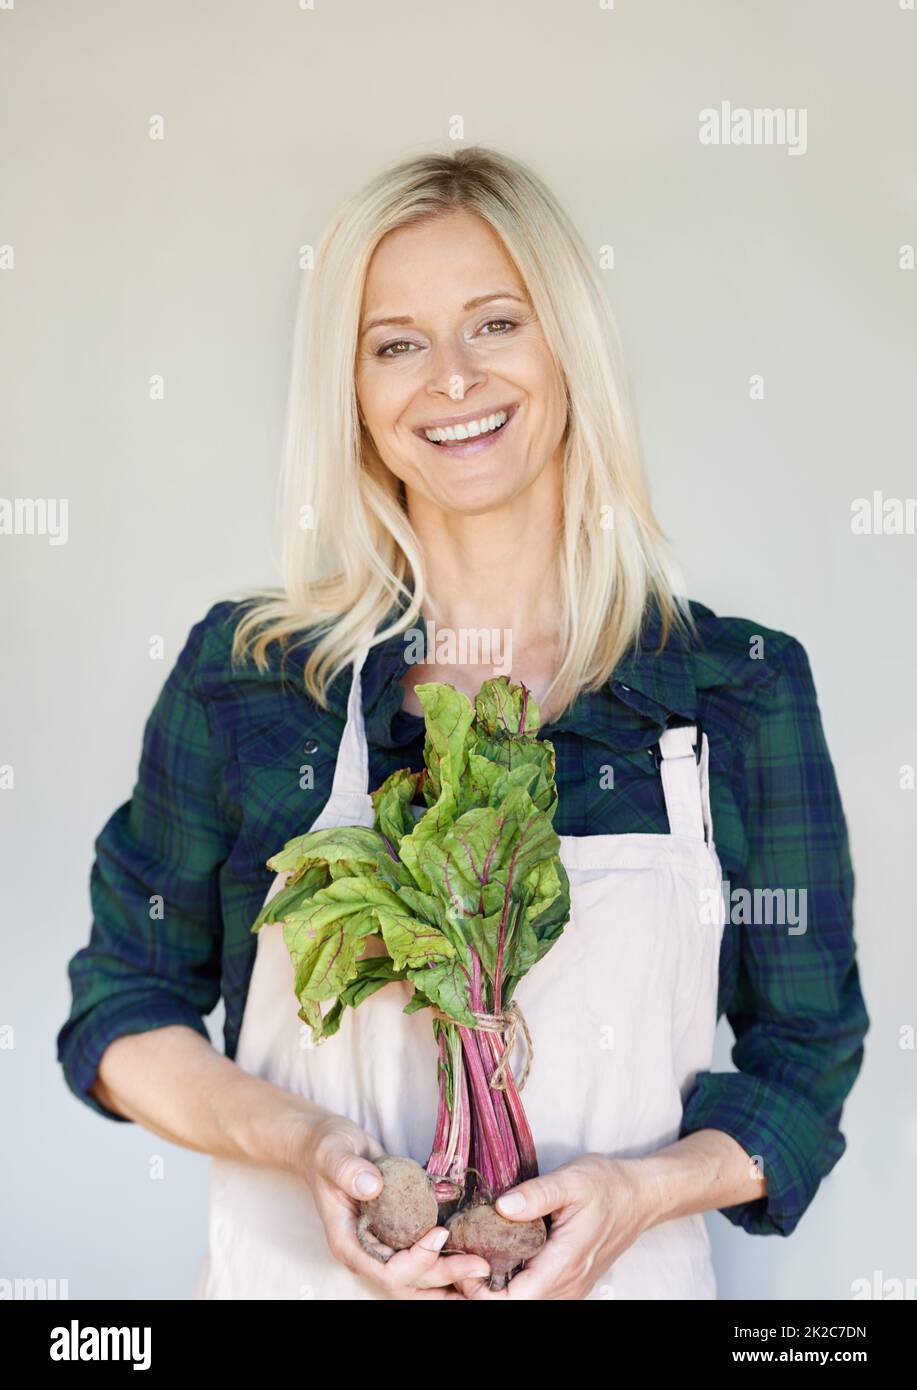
{"x": 510, "y": 1202}
{"x": 366, "y": 1182}
{"x": 435, "y": 1240}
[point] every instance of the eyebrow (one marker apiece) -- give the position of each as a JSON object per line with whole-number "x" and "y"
{"x": 472, "y": 304}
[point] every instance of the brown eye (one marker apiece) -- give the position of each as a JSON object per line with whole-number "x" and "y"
{"x": 507, "y": 322}
{"x": 385, "y": 351}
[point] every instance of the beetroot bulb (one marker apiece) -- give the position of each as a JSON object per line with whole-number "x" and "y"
{"x": 404, "y": 1210}
{"x": 479, "y": 1229}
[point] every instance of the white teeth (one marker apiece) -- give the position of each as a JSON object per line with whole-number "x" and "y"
{"x": 454, "y": 434}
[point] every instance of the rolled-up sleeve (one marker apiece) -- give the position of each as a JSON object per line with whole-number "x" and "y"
{"x": 153, "y": 956}
{"x": 797, "y": 1013}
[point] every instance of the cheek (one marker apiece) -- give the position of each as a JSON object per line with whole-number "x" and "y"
{"x": 532, "y": 367}
{"x": 552, "y": 410}
{"x": 385, "y": 397}
{"x": 550, "y": 385}
{"x": 370, "y": 399}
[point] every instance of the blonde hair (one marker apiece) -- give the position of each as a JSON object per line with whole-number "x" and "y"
{"x": 349, "y": 552}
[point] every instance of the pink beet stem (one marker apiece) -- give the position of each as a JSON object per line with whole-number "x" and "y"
{"x": 442, "y": 1114}
{"x": 448, "y": 1160}
{"x": 525, "y": 1143}
{"x": 494, "y": 1151}
{"x": 488, "y": 1129}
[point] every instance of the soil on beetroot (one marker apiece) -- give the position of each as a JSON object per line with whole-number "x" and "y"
{"x": 405, "y": 1209}
{"x": 479, "y": 1229}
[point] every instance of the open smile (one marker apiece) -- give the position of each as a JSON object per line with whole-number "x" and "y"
{"x": 473, "y": 435}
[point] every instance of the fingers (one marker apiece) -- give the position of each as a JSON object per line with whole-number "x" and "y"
{"x": 478, "y": 1288}
{"x": 536, "y": 1197}
{"x": 457, "y": 1270}
{"x": 346, "y": 1178}
{"x": 421, "y": 1265}
{"x": 545, "y": 1276}
{"x": 539, "y": 1278}
{"x": 449, "y": 1293}
{"x": 419, "y": 1268}
{"x": 353, "y": 1174}
{"x": 399, "y": 1271}
{"x": 424, "y": 1267}
{"x": 371, "y": 1243}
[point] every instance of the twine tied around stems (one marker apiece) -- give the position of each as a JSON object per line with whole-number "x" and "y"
{"x": 510, "y": 1021}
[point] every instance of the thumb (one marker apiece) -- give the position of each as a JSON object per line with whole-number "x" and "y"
{"x": 357, "y": 1176}
{"x": 536, "y": 1197}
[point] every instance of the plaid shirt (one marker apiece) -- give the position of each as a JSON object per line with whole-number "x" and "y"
{"x": 235, "y": 762}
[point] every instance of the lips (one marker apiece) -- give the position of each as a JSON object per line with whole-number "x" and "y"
{"x": 477, "y": 442}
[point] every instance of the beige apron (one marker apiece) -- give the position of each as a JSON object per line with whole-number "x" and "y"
{"x": 622, "y": 1012}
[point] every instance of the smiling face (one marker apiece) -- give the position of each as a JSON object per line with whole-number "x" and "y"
{"x": 457, "y": 386}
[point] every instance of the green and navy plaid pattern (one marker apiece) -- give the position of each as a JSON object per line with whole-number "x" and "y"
{"x": 235, "y": 762}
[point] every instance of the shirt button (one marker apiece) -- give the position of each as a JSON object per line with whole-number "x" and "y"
{"x": 310, "y": 746}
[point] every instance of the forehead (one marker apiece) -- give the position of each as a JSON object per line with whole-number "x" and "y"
{"x": 439, "y": 256}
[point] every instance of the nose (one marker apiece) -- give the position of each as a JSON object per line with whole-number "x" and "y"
{"x": 453, "y": 372}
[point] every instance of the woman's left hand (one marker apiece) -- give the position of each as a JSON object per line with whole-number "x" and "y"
{"x": 598, "y": 1208}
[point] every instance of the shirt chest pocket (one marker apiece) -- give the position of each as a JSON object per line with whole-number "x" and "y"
{"x": 285, "y": 778}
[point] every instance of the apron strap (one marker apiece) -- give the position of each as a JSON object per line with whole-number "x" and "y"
{"x": 686, "y": 782}
{"x": 351, "y": 771}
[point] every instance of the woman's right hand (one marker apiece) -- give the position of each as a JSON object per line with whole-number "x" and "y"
{"x": 336, "y": 1161}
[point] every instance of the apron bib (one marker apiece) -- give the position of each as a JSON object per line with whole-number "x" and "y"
{"x": 622, "y": 1012}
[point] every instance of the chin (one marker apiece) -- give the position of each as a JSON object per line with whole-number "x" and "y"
{"x": 473, "y": 499}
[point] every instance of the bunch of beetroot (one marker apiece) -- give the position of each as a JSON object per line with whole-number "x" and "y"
{"x": 464, "y": 899}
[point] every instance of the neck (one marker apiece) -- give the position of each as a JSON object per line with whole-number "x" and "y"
{"x": 497, "y": 569}
{"x": 497, "y": 573}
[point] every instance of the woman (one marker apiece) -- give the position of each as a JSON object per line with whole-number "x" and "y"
{"x": 461, "y": 450}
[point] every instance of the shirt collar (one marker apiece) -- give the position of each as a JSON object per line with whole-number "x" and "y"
{"x": 664, "y": 678}
{"x": 631, "y": 709}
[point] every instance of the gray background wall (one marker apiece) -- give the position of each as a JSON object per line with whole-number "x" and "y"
{"x": 136, "y": 257}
